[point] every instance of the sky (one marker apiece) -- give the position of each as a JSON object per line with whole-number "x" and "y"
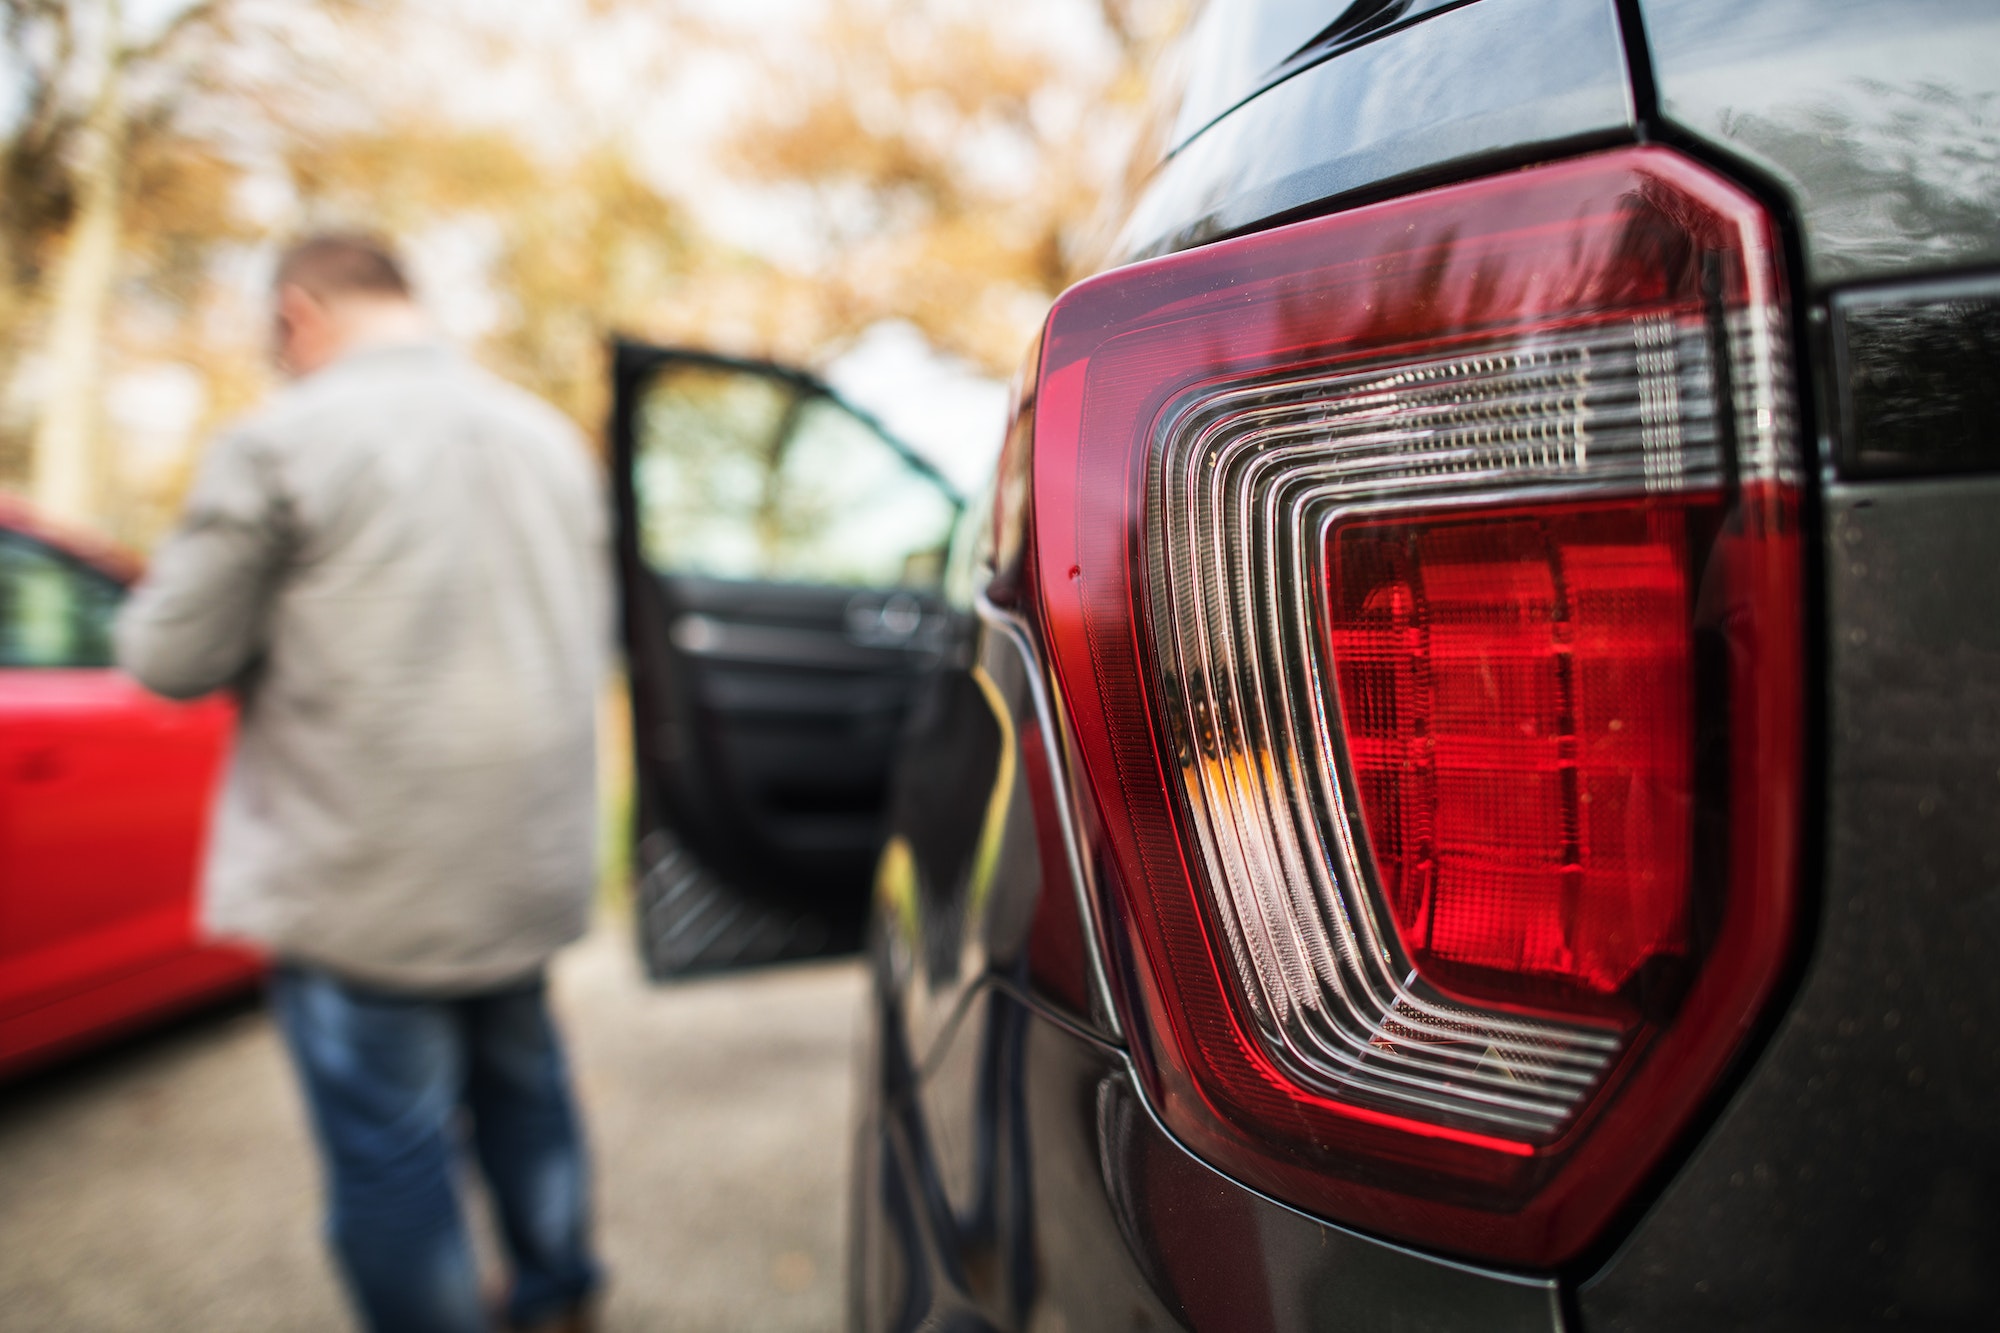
{"x": 674, "y": 100}
{"x": 940, "y": 407}
{"x": 624, "y": 71}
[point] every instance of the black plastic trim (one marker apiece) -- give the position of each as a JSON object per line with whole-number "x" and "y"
{"x": 1967, "y": 388}
{"x": 1639, "y": 66}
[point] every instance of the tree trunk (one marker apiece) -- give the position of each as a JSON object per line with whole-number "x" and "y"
{"x": 68, "y": 478}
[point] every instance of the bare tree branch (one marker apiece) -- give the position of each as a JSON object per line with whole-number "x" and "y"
{"x": 197, "y": 16}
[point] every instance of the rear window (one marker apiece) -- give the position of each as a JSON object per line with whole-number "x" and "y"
{"x": 1235, "y": 48}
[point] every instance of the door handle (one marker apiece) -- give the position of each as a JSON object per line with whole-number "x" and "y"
{"x": 44, "y": 763}
{"x": 885, "y": 622}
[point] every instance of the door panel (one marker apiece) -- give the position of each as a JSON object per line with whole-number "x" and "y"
{"x": 106, "y": 797}
{"x": 104, "y": 790}
{"x": 778, "y": 558}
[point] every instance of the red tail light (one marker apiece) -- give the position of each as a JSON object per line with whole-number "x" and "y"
{"x": 1423, "y": 591}
{"x": 1515, "y": 692}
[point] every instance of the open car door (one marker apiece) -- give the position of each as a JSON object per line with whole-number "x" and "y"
{"x": 778, "y": 559}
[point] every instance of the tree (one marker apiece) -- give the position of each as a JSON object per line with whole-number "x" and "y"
{"x": 942, "y": 160}
{"x": 574, "y": 246}
{"x": 116, "y": 119}
{"x": 958, "y": 156}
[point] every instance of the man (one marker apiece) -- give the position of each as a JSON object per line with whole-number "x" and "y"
{"x": 398, "y": 566}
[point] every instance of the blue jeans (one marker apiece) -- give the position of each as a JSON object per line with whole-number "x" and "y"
{"x": 394, "y": 1082}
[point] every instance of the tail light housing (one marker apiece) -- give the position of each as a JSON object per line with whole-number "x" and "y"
{"x": 1422, "y": 589}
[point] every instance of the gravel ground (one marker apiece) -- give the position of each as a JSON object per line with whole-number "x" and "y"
{"x": 167, "y": 1184}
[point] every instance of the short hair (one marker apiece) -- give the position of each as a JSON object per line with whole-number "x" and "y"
{"x": 332, "y": 264}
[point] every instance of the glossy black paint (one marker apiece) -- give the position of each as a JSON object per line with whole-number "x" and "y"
{"x": 1484, "y": 83}
{"x": 1011, "y": 1176}
{"x": 1233, "y": 1260}
{"x": 1086, "y": 1216}
{"x": 1854, "y": 1181}
{"x": 1234, "y": 50}
{"x": 1874, "y": 117}
{"x": 1245, "y": 49}
{"x": 1008, "y": 1173}
{"x": 1919, "y": 375}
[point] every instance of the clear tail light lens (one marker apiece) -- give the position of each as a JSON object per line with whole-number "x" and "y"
{"x": 1422, "y": 585}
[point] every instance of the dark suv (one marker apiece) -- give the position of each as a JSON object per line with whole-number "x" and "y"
{"x": 1452, "y": 778}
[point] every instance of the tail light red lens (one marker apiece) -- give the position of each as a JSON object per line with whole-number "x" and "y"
{"x": 1515, "y": 696}
{"x": 1422, "y": 587}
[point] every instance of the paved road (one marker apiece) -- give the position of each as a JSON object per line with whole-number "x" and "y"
{"x": 167, "y": 1185}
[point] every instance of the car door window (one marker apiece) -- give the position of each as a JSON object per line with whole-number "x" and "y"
{"x": 740, "y": 474}
{"x": 54, "y": 611}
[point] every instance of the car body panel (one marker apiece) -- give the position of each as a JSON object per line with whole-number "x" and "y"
{"x": 1874, "y": 118}
{"x": 1006, "y": 1160}
{"x": 125, "y": 1000}
{"x": 1854, "y": 1180}
{"x": 1847, "y": 1173}
{"x": 105, "y": 791}
{"x": 1245, "y": 49}
{"x": 101, "y": 828}
{"x": 1491, "y": 82}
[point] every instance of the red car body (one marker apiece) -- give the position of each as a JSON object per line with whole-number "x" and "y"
{"x": 104, "y": 797}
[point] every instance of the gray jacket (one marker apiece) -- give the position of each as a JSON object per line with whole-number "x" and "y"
{"x": 400, "y": 567}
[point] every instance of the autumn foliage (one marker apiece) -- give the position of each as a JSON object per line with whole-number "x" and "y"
{"x": 592, "y": 165}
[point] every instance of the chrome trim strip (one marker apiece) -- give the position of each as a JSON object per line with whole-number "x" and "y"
{"x": 1018, "y": 632}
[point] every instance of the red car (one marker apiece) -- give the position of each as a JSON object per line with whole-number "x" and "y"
{"x": 104, "y": 798}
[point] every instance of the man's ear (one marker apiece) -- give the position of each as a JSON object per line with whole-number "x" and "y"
{"x": 299, "y": 307}
{"x": 303, "y": 328}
